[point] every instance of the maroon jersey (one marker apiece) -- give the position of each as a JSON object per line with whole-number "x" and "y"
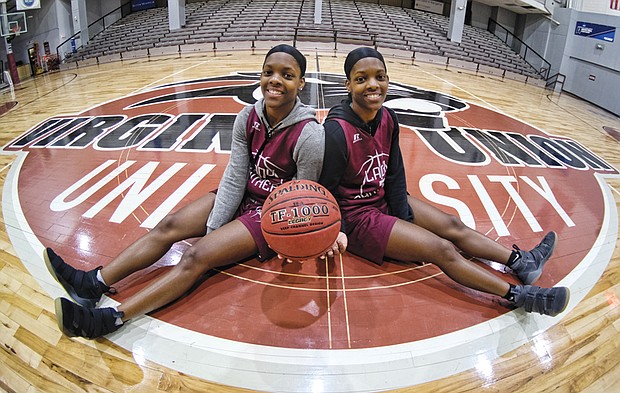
{"x": 363, "y": 165}
{"x": 271, "y": 156}
{"x": 363, "y": 180}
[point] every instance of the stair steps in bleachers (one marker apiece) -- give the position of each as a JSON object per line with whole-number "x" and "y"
{"x": 217, "y": 24}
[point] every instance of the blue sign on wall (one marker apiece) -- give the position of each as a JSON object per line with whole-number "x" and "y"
{"x": 137, "y": 5}
{"x": 592, "y": 30}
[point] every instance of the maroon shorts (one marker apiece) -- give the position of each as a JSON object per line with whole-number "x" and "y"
{"x": 249, "y": 215}
{"x": 368, "y": 230}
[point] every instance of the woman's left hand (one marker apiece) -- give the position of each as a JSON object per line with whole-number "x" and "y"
{"x": 339, "y": 246}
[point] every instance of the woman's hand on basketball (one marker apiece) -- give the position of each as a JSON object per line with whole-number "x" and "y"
{"x": 288, "y": 260}
{"x": 339, "y": 246}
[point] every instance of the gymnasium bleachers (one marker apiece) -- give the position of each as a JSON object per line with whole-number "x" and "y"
{"x": 245, "y": 24}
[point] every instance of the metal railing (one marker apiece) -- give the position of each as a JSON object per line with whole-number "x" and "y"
{"x": 331, "y": 35}
{"x": 531, "y": 57}
{"x": 555, "y": 80}
{"x": 94, "y": 29}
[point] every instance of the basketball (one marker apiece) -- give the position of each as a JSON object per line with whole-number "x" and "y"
{"x": 300, "y": 219}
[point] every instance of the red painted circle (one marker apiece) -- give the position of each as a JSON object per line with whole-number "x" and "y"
{"x": 348, "y": 303}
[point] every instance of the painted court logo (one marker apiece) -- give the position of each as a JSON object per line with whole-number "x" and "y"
{"x": 91, "y": 183}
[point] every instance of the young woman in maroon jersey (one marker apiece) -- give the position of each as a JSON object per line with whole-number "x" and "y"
{"x": 274, "y": 140}
{"x": 363, "y": 168}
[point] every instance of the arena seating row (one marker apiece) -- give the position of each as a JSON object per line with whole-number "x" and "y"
{"x": 211, "y": 24}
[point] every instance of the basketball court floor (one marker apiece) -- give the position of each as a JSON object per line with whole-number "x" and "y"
{"x": 94, "y": 156}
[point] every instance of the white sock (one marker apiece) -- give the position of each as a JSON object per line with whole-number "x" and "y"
{"x": 100, "y": 278}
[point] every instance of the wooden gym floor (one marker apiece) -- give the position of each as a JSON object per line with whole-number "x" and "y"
{"x": 94, "y": 156}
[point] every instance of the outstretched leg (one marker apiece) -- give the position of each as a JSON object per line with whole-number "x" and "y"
{"x": 188, "y": 222}
{"x": 527, "y": 265}
{"x": 230, "y": 243}
{"x": 408, "y": 241}
{"x": 86, "y": 288}
{"x": 447, "y": 226}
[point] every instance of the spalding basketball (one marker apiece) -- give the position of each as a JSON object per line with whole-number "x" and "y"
{"x": 300, "y": 219}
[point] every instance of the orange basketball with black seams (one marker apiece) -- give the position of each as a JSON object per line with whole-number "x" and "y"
{"x": 300, "y": 219}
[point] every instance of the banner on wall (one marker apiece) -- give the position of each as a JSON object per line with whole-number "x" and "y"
{"x": 23, "y": 5}
{"x": 137, "y": 5}
{"x": 593, "y": 30}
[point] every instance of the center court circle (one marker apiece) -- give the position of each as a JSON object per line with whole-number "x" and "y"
{"x": 506, "y": 178}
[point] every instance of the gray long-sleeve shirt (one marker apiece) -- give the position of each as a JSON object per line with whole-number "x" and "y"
{"x": 308, "y": 156}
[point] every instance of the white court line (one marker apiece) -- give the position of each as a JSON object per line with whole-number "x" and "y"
{"x": 346, "y": 307}
{"x": 171, "y": 75}
{"x": 8, "y": 165}
{"x": 329, "y": 309}
{"x": 495, "y": 107}
{"x": 465, "y": 91}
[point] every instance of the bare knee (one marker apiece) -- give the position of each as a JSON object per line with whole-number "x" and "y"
{"x": 192, "y": 264}
{"x": 445, "y": 252}
{"x": 168, "y": 226}
{"x": 455, "y": 230}
{"x": 455, "y": 223}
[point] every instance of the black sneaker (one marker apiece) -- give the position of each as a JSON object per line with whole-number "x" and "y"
{"x": 83, "y": 287}
{"x": 546, "y": 301}
{"x": 530, "y": 264}
{"x": 77, "y": 321}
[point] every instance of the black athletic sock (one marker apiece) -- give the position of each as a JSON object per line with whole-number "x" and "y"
{"x": 514, "y": 256}
{"x": 510, "y": 296}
